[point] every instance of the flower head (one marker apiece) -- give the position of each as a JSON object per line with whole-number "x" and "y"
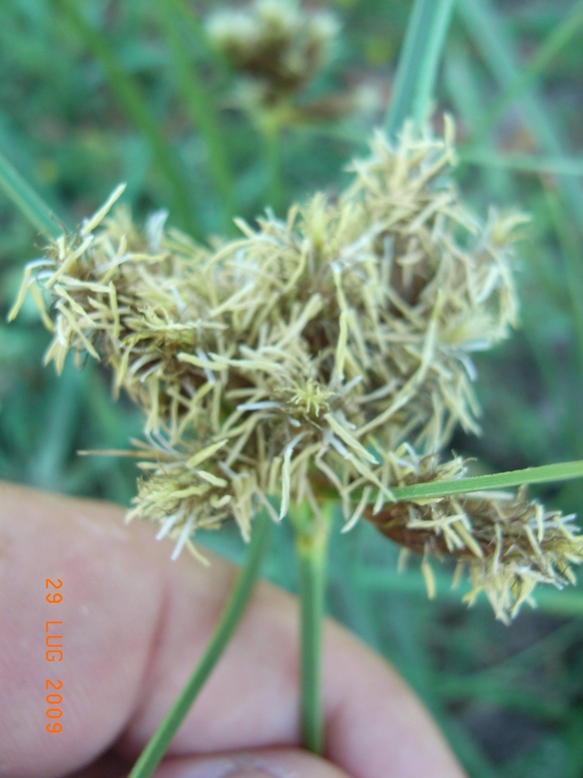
{"x": 308, "y": 345}
{"x": 274, "y": 43}
{"x": 299, "y": 357}
{"x": 506, "y": 542}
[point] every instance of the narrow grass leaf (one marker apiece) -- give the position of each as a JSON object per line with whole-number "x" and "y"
{"x": 30, "y": 204}
{"x": 530, "y": 475}
{"x": 571, "y": 250}
{"x": 418, "y": 63}
{"x": 522, "y": 163}
{"x": 567, "y": 602}
{"x": 134, "y": 105}
{"x": 547, "y": 52}
{"x": 190, "y": 22}
{"x": 498, "y": 50}
{"x": 200, "y": 108}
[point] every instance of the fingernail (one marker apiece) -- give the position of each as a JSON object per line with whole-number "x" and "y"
{"x": 211, "y": 768}
{"x": 225, "y": 767}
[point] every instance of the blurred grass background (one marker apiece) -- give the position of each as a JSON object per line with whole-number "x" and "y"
{"x": 95, "y": 93}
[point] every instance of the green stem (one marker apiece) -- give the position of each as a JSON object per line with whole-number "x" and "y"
{"x": 238, "y": 600}
{"x": 311, "y": 547}
{"x": 274, "y": 186}
{"x": 418, "y": 63}
{"x": 270, "y": 128}
{"x": 32, "y": 206}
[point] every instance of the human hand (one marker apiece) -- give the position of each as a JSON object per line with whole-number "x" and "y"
{"x": 133, "y": 627}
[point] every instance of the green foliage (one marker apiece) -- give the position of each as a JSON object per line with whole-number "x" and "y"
{"x": 91, "y": 97}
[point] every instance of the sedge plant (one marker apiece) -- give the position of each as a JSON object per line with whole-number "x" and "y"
{"x": 315, "y": 360}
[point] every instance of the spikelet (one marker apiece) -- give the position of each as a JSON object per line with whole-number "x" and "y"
{"x": 277, "y": 45}
{"x": 506, "y": 543}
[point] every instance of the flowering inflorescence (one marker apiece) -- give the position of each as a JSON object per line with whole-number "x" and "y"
{"x": 277, "y": 45}
{"x": 277, "y": 50}
{"x": 312, "y": 354}
{"x": 506, "y": 542}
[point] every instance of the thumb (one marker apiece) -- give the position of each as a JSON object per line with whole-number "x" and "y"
{"x": 260, "y": 763}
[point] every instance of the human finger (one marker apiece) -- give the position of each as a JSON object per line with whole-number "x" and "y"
{"x": 134, "y": 624}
